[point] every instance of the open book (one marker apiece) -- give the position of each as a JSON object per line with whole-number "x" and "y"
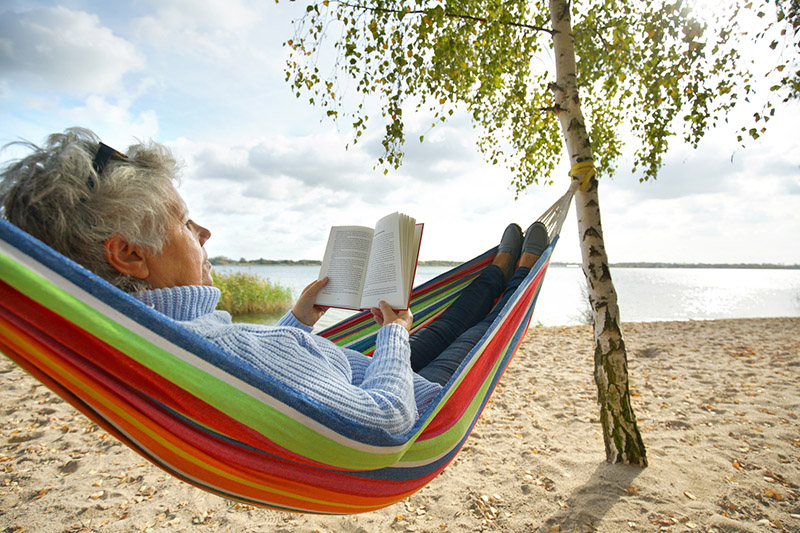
{"x": 366, "y": 265}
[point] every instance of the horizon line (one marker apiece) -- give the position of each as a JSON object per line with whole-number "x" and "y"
{"x": 226, "y": 261}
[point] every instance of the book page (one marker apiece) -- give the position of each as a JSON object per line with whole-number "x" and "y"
{"x": 345, "y": 264}
{"x": 411, "y": 258}
{"x": 384, "y": 280}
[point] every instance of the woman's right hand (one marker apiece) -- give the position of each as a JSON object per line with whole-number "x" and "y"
{"x": 305, "y": 310}
{"x": 384, "y": 314}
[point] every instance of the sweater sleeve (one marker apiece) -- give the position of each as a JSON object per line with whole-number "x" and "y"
{"x": 290, "y": 320}
{"x": 377, "y": 392}
{"x": 389, "y": 379}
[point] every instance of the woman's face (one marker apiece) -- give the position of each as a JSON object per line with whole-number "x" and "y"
{"x": 183, "y": 260}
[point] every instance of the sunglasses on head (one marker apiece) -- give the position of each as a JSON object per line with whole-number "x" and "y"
{"x": 104, "y": 153}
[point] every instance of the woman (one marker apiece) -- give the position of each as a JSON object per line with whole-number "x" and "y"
{"x": 121, "y": 217}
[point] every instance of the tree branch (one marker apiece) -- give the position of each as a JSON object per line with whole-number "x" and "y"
{"x": 553, "y": 109}
{"x": 459, "y": 16}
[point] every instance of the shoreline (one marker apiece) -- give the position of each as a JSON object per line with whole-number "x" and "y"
{"x": 446, "y": 263}
{"x": 717, "y": 402}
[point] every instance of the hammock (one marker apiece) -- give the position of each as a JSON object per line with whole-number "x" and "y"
{"x": 177, "y": 400}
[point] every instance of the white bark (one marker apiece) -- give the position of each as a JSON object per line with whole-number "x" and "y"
{"x": 622, "y": 439}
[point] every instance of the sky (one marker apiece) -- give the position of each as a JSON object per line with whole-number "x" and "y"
{"x": 268, "y": 175}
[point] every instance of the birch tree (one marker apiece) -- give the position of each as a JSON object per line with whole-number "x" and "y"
{"x": 536, "y": 77}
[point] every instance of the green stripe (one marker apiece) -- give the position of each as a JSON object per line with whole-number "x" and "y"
{"x": 280, "y": 428}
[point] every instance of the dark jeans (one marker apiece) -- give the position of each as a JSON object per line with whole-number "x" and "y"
{"x": 438, "y": 349}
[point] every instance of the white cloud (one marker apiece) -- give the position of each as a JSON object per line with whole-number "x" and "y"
{"x": 236, "y": 36}
{"x": 113, "y": 122}
{"x": 281, "y": 201}
{"x": 208, "y": 15}
{"x": 57, "y": 49}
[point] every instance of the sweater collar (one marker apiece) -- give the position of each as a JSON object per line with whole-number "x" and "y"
{"x": 182, "y": 303}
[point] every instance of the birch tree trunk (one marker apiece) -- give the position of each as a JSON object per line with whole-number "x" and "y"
{"x": 623, "y": 442}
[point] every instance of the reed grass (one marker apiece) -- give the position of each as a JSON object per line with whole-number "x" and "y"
{"x": 245, "y": 294}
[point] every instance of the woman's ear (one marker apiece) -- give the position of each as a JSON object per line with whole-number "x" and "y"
{"x": 126, "y": 258}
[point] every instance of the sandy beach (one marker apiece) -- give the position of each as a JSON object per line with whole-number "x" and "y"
{"x": 717, "y": 402}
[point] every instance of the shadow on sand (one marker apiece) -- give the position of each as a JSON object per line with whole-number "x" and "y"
{"x": 589, "y": 503}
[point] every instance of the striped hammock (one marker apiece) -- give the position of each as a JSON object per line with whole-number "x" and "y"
{"x": 181, "y": 403}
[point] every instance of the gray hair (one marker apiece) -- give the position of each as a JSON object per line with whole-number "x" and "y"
{"x": 56, "y": 195}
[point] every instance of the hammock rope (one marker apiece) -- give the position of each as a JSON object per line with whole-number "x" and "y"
{"x": 181, "y": 403}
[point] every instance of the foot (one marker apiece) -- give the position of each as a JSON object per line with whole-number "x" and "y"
{"x": 536, "y": 240}
{"x": 509, "y": 250}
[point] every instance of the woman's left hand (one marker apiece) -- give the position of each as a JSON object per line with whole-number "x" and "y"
{"x": 304, "y": 308}
{"x": 384, "y": 314}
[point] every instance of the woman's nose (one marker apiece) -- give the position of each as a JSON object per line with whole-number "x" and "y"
{"x": 203, "y": 233}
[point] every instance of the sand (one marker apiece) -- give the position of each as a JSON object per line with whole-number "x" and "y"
{"x": 717, "y": 403}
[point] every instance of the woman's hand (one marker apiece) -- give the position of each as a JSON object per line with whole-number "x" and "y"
{"x": 384, "y": 314}
{"x": 304, "y": 308}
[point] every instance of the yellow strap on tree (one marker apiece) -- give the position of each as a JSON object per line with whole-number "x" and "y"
{"x": 586, "y": 171}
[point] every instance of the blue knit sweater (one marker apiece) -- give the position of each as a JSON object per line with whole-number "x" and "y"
{"x": 381, "y": 392}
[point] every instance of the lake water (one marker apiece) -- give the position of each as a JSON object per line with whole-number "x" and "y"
{"x": 645, "y": 294}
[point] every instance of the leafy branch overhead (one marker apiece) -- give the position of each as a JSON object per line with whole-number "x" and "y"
{"x": 646, "y": 70}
